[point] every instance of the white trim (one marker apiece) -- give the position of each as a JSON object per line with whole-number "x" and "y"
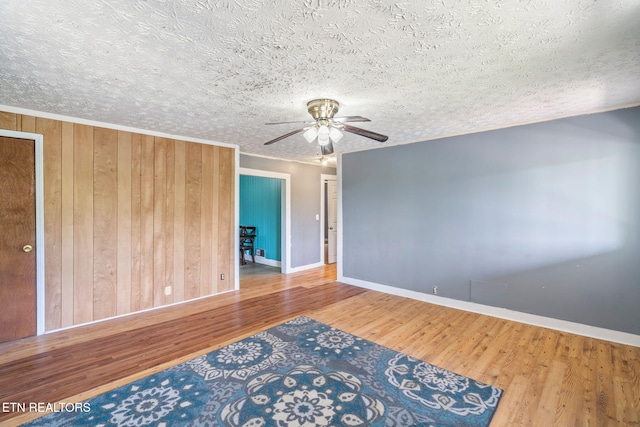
{"x": 18, "y": 110}
{"x": 306, "y": 267}
{"x": 266, "y": 261}
{"x": 40, "y": 260}
{"x": 340, "y": 224}
{"x": 39, "y": 166}
{"x": 502, "y": 313}
{"x": 323, "y": 179}
{"x": 236, "y": 221}
{"x": 285, "y": 244}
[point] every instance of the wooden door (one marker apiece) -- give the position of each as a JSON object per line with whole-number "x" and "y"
{"x": 17, "y": 239}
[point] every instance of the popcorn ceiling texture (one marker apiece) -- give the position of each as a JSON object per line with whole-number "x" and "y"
{"x": 219, "y": 70}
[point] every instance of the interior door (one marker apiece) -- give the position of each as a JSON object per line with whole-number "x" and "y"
{"x": 332, "y": 220}
{"x": 17, "y": 239}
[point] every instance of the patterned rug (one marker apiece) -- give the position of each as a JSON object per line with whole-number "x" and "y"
{"x": 299, "y": 374}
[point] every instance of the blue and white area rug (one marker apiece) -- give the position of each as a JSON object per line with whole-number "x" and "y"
{"x": 299, "y": 374}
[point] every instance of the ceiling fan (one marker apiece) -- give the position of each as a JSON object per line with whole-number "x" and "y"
{"x": 326, "y": 128}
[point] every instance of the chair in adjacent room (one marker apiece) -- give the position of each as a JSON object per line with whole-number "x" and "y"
{"x": 247, "y": 238}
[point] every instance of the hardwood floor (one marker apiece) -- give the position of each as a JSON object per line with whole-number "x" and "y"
{"x": 550, "y": 378}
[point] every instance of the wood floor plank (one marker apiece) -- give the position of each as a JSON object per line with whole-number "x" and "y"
{"x": 68, "y": 370}
{"x": 549, "y": 378}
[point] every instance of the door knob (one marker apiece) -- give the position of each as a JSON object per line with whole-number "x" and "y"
{"x": 27, "y": 248}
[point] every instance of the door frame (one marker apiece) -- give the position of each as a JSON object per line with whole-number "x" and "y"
{"x": 323, "y": 207}
{"x": 285, "y": 216}
{"x": 39, "y": 182}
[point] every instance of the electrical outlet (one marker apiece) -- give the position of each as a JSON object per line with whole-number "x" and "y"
{"x": 167, "y": 290}
{"x": 222, "y": 276}
{"x": 435, "y": 290}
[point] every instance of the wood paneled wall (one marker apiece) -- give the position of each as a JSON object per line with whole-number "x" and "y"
{"x": 127, "y": 215}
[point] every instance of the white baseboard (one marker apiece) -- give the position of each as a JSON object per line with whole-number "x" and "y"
{"x": 306, "y": 267}
{"x": 502, "y": 313}
{"x": 64, "y": 328}
{"x": 265, "y": 261}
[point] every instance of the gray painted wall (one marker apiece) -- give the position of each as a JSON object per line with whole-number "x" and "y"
{"x": 305, "y": 204}
{"x": 542, "y": 218}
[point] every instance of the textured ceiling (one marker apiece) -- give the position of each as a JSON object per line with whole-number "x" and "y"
{"x": 219, "y": 70}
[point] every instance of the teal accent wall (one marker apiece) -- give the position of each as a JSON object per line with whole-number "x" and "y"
{"x": 260, "y": 206}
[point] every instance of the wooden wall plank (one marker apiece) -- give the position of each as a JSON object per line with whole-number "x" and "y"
{"x": 215, "y": 227}
{"x": 169, "y": 226}
{"x": 230, "y": 167}
{"x": 51, "y": 131}
{"x": 193, "y": 186}
{"x": 179, "y": 222}
{"x": 147, "y": 162}
{"x": 27, "y": 124}
{"x": 136, "y": 221}
{"x": 83, "y": 224}
{"x": 67, "y": 272}
{"x": 123, "y": 291}
{"x": 159, "y": 218}
{"x": 105, "y": 222}
{"x": 206, "y": 215}
{"x": 8, "y": 121}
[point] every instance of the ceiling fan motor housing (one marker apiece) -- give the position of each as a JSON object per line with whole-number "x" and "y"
{"x": 322, "y": 109}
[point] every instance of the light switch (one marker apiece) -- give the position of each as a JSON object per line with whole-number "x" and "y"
{"x": 317, "y": 217}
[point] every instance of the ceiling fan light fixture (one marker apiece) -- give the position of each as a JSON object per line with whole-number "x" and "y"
{"x": 323, "y": 135}
{"x": 327, "y": 128}
{"x": 335, "y": 134}
{"x": 310, "y": 134}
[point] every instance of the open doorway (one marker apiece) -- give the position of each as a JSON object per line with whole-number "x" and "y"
{"x": 265, "y": 203}
{"x": 329, "y": 201}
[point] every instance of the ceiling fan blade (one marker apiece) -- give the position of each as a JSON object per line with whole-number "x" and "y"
{"x": 288, "y": 123}
{"x": 365, "y": 133}
{"x": 335, "y": 119}
{"x": 326, "y": 149}
{"x": 286, "y": 135}
{"x": 350, "y": 119}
